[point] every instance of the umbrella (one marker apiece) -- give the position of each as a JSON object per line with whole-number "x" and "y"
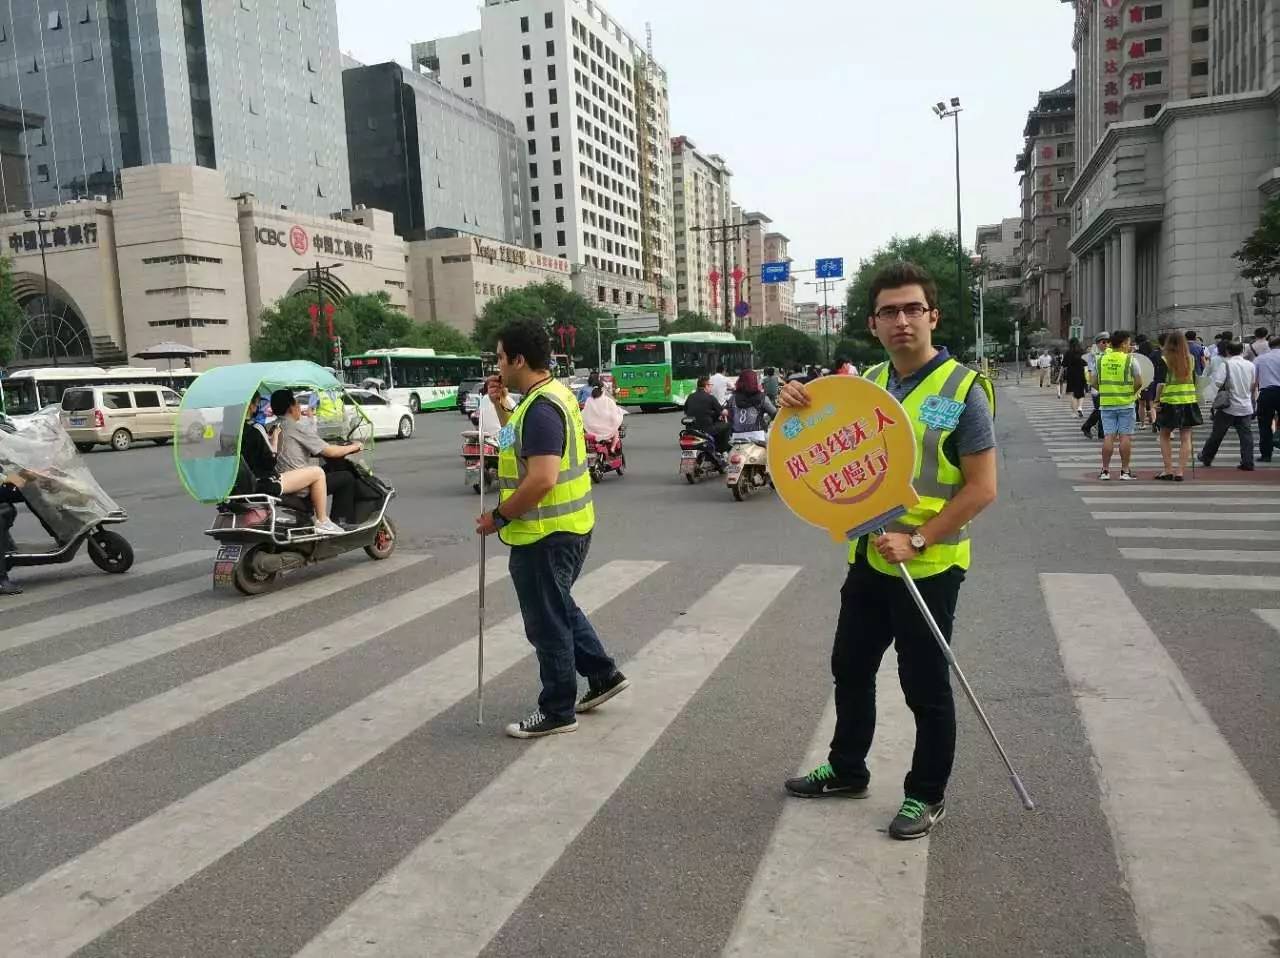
{"x": 169, "y": 352}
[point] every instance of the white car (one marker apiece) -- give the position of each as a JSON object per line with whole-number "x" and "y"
{"x": 390, "y": 420}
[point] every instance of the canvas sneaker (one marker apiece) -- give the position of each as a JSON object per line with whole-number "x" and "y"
{"x": 1104, "y": 475}
{"x": 599, "y": 692}
{"x": 823, "y": 780}
{"x": 1127, "y": 476}
{"x": 537, "y": 725}
{"x": 915, "y": 819}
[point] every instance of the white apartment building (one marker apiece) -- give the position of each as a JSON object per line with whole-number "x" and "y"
{"x": 593, "y": 108}
{"x": 701, "y": 191}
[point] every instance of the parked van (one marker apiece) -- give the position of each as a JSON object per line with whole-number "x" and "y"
{"x": 119, "y": 415}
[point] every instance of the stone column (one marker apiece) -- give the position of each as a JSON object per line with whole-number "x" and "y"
{"x": 1113, "y": 288}
{"x": 1097, "y": 301}
{"x": 1128, "y": 277}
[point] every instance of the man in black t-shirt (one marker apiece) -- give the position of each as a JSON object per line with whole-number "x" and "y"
{"x": 707, "y": 413}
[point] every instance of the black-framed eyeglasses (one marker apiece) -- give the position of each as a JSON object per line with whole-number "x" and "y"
{"x": 887, "y": 314}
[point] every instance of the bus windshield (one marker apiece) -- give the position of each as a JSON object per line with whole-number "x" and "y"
{"x": 637, "y": 354}
{"x": 20, "y": 397}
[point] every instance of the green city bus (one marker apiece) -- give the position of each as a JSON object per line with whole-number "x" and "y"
{"x": 654, "y": 371}
{"x": 417, "y": 378}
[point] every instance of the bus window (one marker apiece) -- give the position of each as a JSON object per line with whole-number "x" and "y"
{"x": 638, "y": 354}
{"x": 689, "y": 361}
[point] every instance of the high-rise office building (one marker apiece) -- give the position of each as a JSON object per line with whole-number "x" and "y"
{"x": 592, "y": 106}
{"x": 432, "y": 158}
{"x": 701, "y": 194}
{"x": 249, "y": 87}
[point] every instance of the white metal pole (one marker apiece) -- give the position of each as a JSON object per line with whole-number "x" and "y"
{"x": 480, "y": 609}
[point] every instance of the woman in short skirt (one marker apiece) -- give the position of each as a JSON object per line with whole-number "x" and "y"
{"x": 1073, "y": 373}
{"x": 1179, "y": 407}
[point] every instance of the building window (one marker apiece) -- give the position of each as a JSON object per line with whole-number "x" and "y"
{"x": 559, "y": 190}
{"x": 1150, "y": 110}
{"x": 1199, "y": 68}
{"x": 1153, "y": 77}
{"x": 466, "y": 59}
{"x": 537, "y": 217}
{"x": 555, "y": 121}
{"x": 537, "y": 241}
{"x": 524, "y": 24}
{"x": 548, "y": 21}
{"x": 533, "y": 194}
{"x": 559, "y": 214}
{"x": 1153, "y": 12}
{"x": 1154, "y": 45}
{"x": 42, "y": 172}
{"x": 616, "y": 296}
{"x": 529, "y": 123}
{"x": 1199, "y": 4}
{"x": 551, "y": 48}
{"x": 551, "y": 72}
{"x": 533, "y": 147}
{"x": 560, "y": 238}
{"x": 556, "y": 168}
{"x": 1199, "y": 34}
{"x": 533, "y": 171}
{"x": 526, "y": 52}
{"x": 555, "y": 144}
{"x": 552, "y": 97}
{"x": 528, "y": 100}
{"x": 528, "y": 77}
{"x": 466, "y": 82}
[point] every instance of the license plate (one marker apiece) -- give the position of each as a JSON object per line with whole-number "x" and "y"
{"x": 734, "y": 473}
{"x": 471, "y": 450}
{"x": 641, "y": 390}
{"x": 78, "y": 421}
{"x": 224, "y": 565}
{"x": 688, "y": 454}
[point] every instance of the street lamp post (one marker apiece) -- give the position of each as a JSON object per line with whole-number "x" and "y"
{"x": 943, "y": 112}
{"x": 40, "y": 217}
{"x": 321, "y": 273}
{"x": 825, "y": 286}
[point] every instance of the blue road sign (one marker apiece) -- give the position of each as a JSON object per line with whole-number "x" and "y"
{"x": 742, "y": 309}
{"x": 775, "y": 272}
{"x": 832, "y": 268}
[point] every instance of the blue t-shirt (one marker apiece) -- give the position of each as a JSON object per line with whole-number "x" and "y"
{"x": 542, "y": 432}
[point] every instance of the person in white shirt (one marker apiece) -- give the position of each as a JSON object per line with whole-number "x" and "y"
{"x": 1237, "y": 384}
{"x": 720, "y": 385}
{"x": 1044, "y": 363}
{"x": 1268, "y": 367}
{"x": 601, "y": 416}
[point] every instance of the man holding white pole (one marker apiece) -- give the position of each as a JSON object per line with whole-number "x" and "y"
{"x": 951, "y": 408}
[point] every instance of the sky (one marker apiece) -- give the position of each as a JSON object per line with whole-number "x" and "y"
{"x": 823, "y": 108}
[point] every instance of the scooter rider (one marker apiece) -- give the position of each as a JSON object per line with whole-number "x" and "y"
{"x": 10, "y": 493}
{"x": 750, "y": 409}
{"x": 298, "y": 445}
{"x": 707, "y": 414}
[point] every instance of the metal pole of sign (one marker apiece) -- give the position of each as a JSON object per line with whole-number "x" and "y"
{"x": 910, "y": 583}
{"x": 480, "y": 610}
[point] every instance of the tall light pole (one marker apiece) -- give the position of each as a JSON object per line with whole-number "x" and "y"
{"x": 40, "y": 217}
{"x": 943, "y": 112}
{"x": 825, "y": 286}
{"x": 321, "y": 273}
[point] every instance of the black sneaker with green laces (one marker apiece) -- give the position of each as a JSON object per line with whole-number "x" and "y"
{"x": 915, "y": 819}
{"x": 823, "y": 780}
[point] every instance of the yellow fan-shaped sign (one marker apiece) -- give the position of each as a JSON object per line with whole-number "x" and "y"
{"x": 846, "y": 461}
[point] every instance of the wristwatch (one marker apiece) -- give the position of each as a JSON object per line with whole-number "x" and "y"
{"x": 499, "y": 519}
{"x": 918, "y": 543}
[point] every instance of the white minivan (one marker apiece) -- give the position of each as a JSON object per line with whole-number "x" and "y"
{"x": 119, "y": 415}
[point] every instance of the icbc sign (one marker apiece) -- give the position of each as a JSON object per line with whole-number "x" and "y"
{"x": 296, "y": 239}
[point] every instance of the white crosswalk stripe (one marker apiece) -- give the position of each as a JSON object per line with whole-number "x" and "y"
{"x": 1202, "y": 555}
{"x": 1191, "y": 535}
{"x": 38, "y": 587}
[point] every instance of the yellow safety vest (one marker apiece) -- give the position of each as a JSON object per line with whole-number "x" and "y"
{"x": 567, "y": 507}
{"x": 1115, "y": 379}
{"x": 1180, "y": 394}
{"x": 937, "y": 478}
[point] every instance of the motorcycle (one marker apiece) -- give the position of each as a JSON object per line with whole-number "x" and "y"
{"x": 62, "y": 494}
{"x": 748, "y": 468}
{"x": 698, "y": 455}
{"x": 262, "y": 536}
{"x": 471, "y": 459}
{"x": 605, "y": 456}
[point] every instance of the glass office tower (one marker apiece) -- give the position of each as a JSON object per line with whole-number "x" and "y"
{"x": 249, "y": 87}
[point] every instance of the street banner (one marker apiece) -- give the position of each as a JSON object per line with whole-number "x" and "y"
{"x": 845, "y": 462}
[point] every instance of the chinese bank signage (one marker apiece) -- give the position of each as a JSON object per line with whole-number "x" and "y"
{"x": 303, "y": 242}
{"x": 516, "y": 256}
{"x": 62, "y": 236}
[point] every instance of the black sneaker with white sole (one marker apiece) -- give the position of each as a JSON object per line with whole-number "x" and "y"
{"x": 599, "y": 692}
{"x": 538, "y": 725}
{"x": 823, "y": 780}
{"x": 915, "y": 819}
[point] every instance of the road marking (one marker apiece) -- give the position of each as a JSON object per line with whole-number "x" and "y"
{"x": 1192, "y": 535}
{"x": 35, "y": 590}
{"x": 1186, "y": 501}
{"x": 1249, "y": 517}
{"x": 1185, "y": 814}
{"x": 47, "y": 763}
{"x": 1189, "y": 580}
{"x": 53, "y": 916}
{"x": 93, "y": 615}
{"x": 1202, "y": 555}
{"x": 1189, "y": 488}
{"x": 830, "y": 878}
{"x": 456, "y": 889}
{"x": 1269, "y": 616}
{"x": 34, "y": 685}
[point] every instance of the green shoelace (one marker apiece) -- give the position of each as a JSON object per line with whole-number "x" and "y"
{"x": 822, "y": 773}
{"x": 912, "y": 809}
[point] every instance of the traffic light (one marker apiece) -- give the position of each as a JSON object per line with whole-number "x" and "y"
{"x": 975, "y": 300}
{"x": 337, "y": 351}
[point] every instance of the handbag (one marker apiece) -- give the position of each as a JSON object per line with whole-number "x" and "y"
{"x": 1223, "y": 398}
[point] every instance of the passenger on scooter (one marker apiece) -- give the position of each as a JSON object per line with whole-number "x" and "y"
{"x": 258, "y": 447}
{"x": 10, "y": 493}
{"x": 750, "y": 409}
{"x": 707, "y": 414}
{"x": 602, "y": 417}
{"x": 299, "y": 444}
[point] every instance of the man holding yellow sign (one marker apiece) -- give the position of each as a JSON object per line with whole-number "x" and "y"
{"x": 898, "y": 463}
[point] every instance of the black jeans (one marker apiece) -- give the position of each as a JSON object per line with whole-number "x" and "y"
{"x": 1268, "y": 409}
{"x": 342, "y": 486}
{"x": 565, "y": 642}
{"x": 1221, "y": 423}
{"x": 7, "y": 514}
{"x": 876, "y": 610}
{"x": 1095, "y": 418}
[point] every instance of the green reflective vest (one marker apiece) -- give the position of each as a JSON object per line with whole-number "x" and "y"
{"x": 937, "y": 478}
{"x": 567, "y": 507}
{"x": 1180, "y": 394}
{"x": 1115, "y": 379}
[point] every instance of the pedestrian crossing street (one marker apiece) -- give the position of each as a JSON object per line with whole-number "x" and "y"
{"x": 174, "y": 761}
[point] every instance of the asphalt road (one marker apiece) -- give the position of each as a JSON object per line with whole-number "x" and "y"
{"x": 184, "y": 772}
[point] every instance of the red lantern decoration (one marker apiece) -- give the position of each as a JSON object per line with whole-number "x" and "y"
{"x": 314, "y": 311}
{"x": 328, "y": 315}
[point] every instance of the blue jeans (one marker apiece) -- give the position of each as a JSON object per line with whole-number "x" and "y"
{"x": 1119, "y": 420}
{"x": 561, "y": 636}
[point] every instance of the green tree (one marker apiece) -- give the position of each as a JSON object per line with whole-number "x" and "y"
{"x": 555, "y": 306}
{"x": 441, "y": 337}
{"x": 10, "y": 314}
{"x": 782, "y": 346}
{"x": 935, "y": 253}
{"x": 286, "y": 333}
{"x": 1260, "y": 255}
{"x": 688, "y": 322}
{"x": 377, "y": 324}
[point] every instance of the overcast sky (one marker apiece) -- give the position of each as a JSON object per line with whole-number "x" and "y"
{"x": 822, "y": 107}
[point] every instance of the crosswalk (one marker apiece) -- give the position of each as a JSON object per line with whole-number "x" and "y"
{"x": 162, "y": 747}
